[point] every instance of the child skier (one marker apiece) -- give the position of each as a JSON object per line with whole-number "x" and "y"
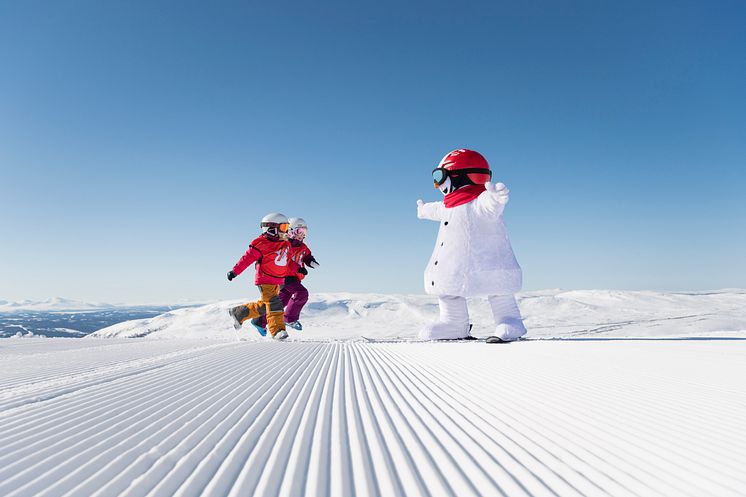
{"x": 293, "y": 294}
{"x": 270, "y": 252}
{"x": 472, "y": 254}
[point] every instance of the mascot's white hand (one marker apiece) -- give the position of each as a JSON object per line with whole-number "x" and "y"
{"x": 429, "y": 210}
{"x": 498, "y": 191}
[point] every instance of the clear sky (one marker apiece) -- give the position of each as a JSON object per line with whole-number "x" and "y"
{"x": 141, "y": 142}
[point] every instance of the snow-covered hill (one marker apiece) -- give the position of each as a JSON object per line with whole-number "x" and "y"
{"x": 589, "y": 313}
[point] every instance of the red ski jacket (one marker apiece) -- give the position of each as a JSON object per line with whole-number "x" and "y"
{"x": 271, "y": 256}
{"x": 299, "y": 251}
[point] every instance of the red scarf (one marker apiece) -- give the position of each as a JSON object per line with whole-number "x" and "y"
{"x": 463, "y": 195}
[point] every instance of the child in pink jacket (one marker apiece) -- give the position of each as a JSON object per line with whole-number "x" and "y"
{"x": 293, "y": 294}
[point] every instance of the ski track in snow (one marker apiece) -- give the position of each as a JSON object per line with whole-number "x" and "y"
{"x": 543, "y": 418}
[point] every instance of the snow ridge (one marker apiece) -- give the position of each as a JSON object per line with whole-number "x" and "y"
{"x": 550, "y": 313}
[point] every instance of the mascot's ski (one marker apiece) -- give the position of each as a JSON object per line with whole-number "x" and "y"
{"x": 490, "y": 339}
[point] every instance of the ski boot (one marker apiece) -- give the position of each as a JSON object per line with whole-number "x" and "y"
{"x": 262, "y": 330}
{"x": 280, "y": 335}
{"x": 510, "y": 330}
{"x": 446, "y": 331}
{"x": 238, "y": 313}
{"x": 467, "y": 338}
{"x": 295, "y": 325}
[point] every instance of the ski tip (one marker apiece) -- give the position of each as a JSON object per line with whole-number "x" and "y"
{"x": 496, "y": 339}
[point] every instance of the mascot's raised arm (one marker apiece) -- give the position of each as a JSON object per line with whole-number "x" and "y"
{"x": 472, "y": 255}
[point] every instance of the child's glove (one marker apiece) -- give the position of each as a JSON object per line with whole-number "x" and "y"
{"x": 303, "y": 271}
{"x": 231, "y": 275}
{"x": 498, "y": 192}
{"x": 311, "y": 262}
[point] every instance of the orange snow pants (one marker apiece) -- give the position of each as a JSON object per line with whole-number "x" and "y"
{"x": 269, "y": 305}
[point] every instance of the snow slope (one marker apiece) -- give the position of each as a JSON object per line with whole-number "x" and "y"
{"x": 545, "y": 418}
{"x": 600, "y": 313}
{"x": 200, "y": 409}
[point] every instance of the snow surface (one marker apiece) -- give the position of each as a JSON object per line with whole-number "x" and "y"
{"x": 200, "y": 409}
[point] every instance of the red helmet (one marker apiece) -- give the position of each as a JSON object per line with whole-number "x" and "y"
{"x": 463, "y": 162}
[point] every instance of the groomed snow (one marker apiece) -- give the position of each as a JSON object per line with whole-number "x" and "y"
{"x": 593, "y": 413}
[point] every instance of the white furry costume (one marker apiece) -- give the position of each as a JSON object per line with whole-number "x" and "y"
{"x": 472, "y": 257}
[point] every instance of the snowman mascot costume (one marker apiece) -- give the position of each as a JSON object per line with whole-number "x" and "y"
{"x": 472, "y": 255}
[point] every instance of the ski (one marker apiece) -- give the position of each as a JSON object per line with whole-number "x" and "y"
{"x": 489, "y": 339}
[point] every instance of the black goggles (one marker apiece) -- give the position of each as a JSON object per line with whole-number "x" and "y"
{"x": 441, "y": 174}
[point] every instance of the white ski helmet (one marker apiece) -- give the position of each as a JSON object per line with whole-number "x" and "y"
{"x": 274, "y": 224}
{"x": 298, "y": 228}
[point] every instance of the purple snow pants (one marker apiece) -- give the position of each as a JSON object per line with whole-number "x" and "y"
{"x": 294, "y": 296}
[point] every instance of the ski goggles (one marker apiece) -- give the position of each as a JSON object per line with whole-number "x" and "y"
{"x": 281, "y": 227}
{"x": 441, "y": 174}
{"x": 299, "y": 232}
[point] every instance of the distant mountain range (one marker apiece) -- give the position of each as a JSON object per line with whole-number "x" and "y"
{"x": 51, "y": 304}
{"x": 60, "y": 304}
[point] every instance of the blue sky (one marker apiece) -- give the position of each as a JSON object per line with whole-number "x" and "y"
{"x": 141, "y": 142}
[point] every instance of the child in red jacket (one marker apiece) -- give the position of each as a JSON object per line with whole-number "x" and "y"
{"x": 293, "y": 294}
{"x": 270, "y": 252}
